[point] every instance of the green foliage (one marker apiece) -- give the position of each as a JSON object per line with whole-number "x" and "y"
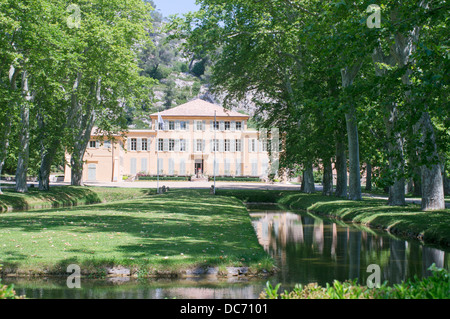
{"x": 436, "y": 286}
{"x": 234, "y": 179}
{"x": 163, "y": 178}
{"x": 8, "y": 292}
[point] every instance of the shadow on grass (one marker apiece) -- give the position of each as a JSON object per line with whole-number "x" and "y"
{"x": 56, "y": 197}
{"x": 185, "y": 227}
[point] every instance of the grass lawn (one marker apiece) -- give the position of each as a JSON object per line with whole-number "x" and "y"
{"x": 153, "y": 234}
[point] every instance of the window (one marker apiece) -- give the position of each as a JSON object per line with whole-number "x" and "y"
{"x": 253, "y": 145}
{"x": 92, "y": 144}
{"x": 238, "y": 146}
{"x": 199, "y": 146}
{"x": 160, "y": 145}
{"x": 238, "y": 126}
{"x": 171, "y": 145}
{"x": 215, "y": 146}
{"x": 133, "y": 144}
{"x": 227, "y": 126}
{"x": 227, "y": 146}
{"x": 264, "y": 145}
{"x": 171, "y": 126}
{"x": 199, "y": 125}
{"x": 183, "y": 125}
{"x": 144, "y": 144}
{"x": 161, "y": 126}
{"x": 216, "y": 125}
{"x": 182, "y": 145}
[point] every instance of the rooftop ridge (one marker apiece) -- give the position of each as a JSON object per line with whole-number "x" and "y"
{"x": 199, "y": 108}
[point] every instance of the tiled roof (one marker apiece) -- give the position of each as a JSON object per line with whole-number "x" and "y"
{"x": 200, "y": 108}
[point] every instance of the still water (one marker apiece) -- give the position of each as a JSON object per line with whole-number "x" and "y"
{"x": 307, "y": 249}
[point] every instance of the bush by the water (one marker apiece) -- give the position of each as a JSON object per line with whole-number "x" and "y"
{"x": 8, "y": 292}
{"x": 437, "y": 286}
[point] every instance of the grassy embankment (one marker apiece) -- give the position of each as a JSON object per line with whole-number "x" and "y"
{"x": 410, "y": 221}
{"x": 151, "y": 235}
{"x": 67, "y": 196}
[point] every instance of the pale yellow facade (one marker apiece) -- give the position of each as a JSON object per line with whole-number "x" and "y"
{"x": 188, "y": 143}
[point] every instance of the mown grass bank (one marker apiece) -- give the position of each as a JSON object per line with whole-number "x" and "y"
{"x": 67, "y": 196}
{"x": 410, "y": 221}
{"x": 157, "y": 235}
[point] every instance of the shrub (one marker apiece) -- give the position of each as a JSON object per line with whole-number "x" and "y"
{"x": 8, "y": 292}
{"x": 437, "y": 286}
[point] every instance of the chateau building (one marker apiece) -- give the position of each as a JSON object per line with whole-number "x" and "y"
{"x": 192, "y": 139}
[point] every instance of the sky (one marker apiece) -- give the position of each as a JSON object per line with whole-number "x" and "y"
{"x": 168, "y": 7}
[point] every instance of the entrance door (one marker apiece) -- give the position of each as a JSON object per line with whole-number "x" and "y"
{"x": 198, "y": 167}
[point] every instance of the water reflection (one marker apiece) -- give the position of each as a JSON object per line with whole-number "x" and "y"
{"x": 310, "y": 249}
{"x": 196, "y": 288}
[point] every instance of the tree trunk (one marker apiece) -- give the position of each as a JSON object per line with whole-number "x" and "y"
{"x": 353, "y": 152}
{"x": 348, "y": 76}
{"x": 446, "y": 183}
{"x": 431, "y": 174}
{"x": 24, "y": 139}
{"x": 308, "y": 179}
{"x": 76, "y": 163}
{"x": 417, "y": 191}
{"x": 4, "y": 145}
{"x": 368, "y": 177}
{"x": 396, "y": 159}
{"x": 327, "y": 177}
{"x": 341, "y": 166}
{"x": 47, "y": 158}
{"x": 82, "y": 123}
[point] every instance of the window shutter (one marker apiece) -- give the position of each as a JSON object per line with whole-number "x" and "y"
{"x": 139, "y": 144}
{"x": 182, "y": 167}
{"x": 195, "y": 125}
{"x": 97, "y": 144}
{"x": 177, "y": 145}
{"x": 233, "y": 126}
{"x": 177, "y": 125}
{"x": 133, "y": 166}
{"x": 171, "y": 166}
{"x": 144, "y": 165}
{"x": 233, "y": 145}
{"x": 149, "y": 143}
{"x": 211, "y": 126}
{"x": 204, "y": 126}
{"x": 249, "y": 145}
{"x": 194, "y": 147}
{"x": 166, "y": 145}
{"x": 129, "y": 144}
{"x": 166, "y": 125}
{"x": 203, "y": 146}
{"x": 187, "y": 125}
{"x": 238, "y": 167}
{"x": 160, "y": 166}
{"x": 222, "y": 125}
{"x": 221, "y": 145}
